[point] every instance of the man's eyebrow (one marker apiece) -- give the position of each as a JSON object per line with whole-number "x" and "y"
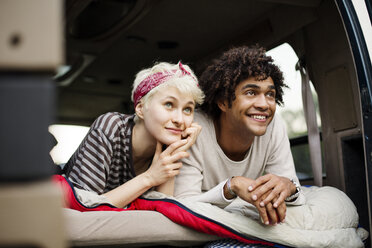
{"x": 255, "y": 86}
{"x": 250, "y": 86}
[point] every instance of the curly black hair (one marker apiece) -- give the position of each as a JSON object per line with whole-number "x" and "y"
{"x": 220, "y": 78}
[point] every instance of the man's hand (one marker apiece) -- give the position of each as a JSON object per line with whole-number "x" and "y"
{"x": 269, "y": 214}
{"x": 279, "y": 187}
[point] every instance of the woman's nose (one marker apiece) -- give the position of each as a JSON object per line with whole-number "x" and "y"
{"x": 177, "y": 116}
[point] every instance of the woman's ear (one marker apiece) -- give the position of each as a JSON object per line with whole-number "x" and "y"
{"x": 222, "y": 104}
{"x": 139, "y": 110}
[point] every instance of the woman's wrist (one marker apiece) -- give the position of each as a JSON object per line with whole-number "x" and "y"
{"x": 147, "y": 180}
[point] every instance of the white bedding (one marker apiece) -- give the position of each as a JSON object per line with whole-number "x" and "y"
{"x": 328, "y": 219}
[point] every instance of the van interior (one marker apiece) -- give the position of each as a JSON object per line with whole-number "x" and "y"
{"x": 106, "y": 42}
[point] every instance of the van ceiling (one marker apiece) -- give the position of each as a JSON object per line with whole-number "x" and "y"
{"x": 109, "y": 41}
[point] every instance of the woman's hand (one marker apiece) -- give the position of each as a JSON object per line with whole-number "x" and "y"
{"x": 165, "y": 164}
{"x": 190, "y": 134}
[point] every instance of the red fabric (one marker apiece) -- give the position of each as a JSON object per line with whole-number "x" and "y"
{"x": 185, "y": 217}
{"x": 154, "y": 80}
{"x": 70, "y": 200}
{"x": 175, "y": 212}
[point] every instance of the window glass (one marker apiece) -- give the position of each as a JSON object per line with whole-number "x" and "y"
{"x": 68, "y": 139}
{"x": 292, "y": 110}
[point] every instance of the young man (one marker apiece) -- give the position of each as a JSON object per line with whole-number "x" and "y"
{"x": 243, "y": 149}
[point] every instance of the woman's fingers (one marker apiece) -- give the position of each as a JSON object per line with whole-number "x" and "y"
{"x": 158, "y": 150}
{"x": 174, "y": 157}
{"x": 173, "y": 147}
{"x": 193, "y": 130}
{"x": 190, "y": 134}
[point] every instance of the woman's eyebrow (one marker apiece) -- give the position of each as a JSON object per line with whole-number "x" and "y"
{"x": 190, "y": 102}
{"x": 169, "y": 97}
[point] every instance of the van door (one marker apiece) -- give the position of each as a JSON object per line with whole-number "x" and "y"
{"x": 356, "y": 16}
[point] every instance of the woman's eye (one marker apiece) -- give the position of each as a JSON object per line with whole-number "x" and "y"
{"x": 188, "y": 110}
{"x": 168, "y": 105}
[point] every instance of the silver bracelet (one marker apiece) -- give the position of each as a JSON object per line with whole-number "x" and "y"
{"x": 295, "y": 194}
{"x": 228, "y": 184}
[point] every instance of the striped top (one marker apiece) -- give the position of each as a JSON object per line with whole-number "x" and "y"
{"x": 103, "y": 161}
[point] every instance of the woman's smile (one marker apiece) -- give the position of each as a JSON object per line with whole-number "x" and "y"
{"x": 174, "y": 130}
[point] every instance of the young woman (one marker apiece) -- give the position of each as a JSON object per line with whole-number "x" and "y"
{"x": 123, "y": 156}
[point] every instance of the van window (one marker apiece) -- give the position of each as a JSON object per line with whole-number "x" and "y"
{"x": 68, "y": 139}
{"x": 292, "y": 111}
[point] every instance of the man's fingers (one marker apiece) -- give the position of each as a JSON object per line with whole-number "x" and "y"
{"x": 261, "y": 191}
{"x": 263, "y": 214}
{"x": 280, "y": 200}
{"x": 269, "y": 198}
{"x": 259, "y": 181}
{"x": 281, "y": 210}
{"x": 272, "y": 214}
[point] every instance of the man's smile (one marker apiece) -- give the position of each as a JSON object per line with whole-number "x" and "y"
{"x": 258, "y": 117}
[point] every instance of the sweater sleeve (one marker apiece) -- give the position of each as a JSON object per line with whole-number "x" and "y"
{"x": 91, "y": 161}
{"x": 189, "y": 185}
{"x": 280, "y": 161}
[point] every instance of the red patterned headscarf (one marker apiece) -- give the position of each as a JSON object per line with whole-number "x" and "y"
{"x": 156, "y": 79}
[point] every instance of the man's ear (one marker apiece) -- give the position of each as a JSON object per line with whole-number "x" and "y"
{"x": 139, "y": 110}
{"x": 222, "y": 104}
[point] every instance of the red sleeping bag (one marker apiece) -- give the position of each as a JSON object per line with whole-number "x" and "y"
{"x": 173, "y": 210}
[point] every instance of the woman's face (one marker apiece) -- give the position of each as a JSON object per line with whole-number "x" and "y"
{"x": 167, "y": 114}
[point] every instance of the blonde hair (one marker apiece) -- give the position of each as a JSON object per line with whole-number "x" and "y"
{"x": 185, "y": 83}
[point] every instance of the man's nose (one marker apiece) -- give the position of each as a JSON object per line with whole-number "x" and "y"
{"x": 261, "y": 102}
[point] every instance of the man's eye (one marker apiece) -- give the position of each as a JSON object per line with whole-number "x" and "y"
{"x": 250, "y": 92}
{"x": 271, "y": 94}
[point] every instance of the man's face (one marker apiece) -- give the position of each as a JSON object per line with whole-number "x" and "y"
{"x": 254, "y": 107}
